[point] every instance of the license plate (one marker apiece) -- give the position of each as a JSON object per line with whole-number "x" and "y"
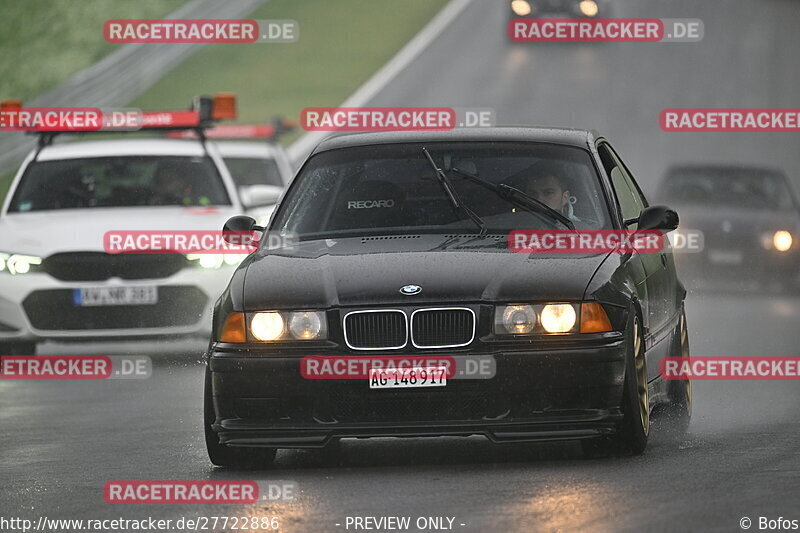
{"x": 104, "y": 296}
{"x": 402, "y": 378}
{"x": 726, "y": 257}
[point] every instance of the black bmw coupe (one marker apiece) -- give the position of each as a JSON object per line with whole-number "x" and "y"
{"x": 401, "y": 250}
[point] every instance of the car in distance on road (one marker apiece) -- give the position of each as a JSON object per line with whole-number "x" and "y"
{"x": 750, "y": 220}
{"x": 571, "y": 8}
{"x": 401, "y": 249}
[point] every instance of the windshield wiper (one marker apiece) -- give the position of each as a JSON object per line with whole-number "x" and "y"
{"x": 518, "y": 198}
{"x": 453, "y": 195}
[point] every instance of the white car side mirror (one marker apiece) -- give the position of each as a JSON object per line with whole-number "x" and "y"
{"x": 258, "y": 195}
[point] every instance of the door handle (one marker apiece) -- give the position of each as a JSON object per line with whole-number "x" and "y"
{"x": 664, "y": 260}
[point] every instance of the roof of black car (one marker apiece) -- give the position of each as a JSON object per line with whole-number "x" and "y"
{"x": 722, "y": 168}
{"x": 573, "y": 137}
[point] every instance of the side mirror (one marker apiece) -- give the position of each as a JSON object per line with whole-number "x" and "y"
{"x": 258, "y": 195}
{"x": 658, "y": 217}
{"x": 239, "y": 224}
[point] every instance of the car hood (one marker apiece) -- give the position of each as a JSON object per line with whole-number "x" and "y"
{"x": 360, "y": 272}
{"x": 42, "y": 233}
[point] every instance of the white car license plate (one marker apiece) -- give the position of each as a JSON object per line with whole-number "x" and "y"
{"x": 103, "y": 296}
{"x": 400, "y": 378}
{"x": 726, "y": 257}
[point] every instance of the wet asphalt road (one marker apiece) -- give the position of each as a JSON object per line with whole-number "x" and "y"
{"x": 61, "y": 441}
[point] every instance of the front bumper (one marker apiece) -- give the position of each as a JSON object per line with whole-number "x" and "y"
{"x": 37, "y": 307}
{"x": 543, "y": 394}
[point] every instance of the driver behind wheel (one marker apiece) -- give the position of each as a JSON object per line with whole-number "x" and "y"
{"x": 544, "y": 181}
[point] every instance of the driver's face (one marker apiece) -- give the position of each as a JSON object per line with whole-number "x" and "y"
{"x": 548, "y": 190}
{"x": 167, "y": 182}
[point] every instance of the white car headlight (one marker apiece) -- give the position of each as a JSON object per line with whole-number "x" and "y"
{"x": 215, "y": 261}
{"x": 289, "y": 326}
{"x": 19, "y": 263}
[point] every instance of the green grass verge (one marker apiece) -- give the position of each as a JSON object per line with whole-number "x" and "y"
{"x": 341, "y": 45}
{"x": 5, "y": 183}
{"x": 43, "y": 42}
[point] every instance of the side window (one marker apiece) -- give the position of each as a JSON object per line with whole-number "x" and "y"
{"x": 631, "y": 201}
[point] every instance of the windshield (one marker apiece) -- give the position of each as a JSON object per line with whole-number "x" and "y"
{"x": 253, "y": 171}
{"x": 732, "y": 187}
{"x": 119, "y": 182}
{"x": 391, "y": 189}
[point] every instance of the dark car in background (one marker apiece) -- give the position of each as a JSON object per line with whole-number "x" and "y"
{"x": 403, "y": 251}
{"x": 750, "y": 221}
{"x": 562, "y": 8}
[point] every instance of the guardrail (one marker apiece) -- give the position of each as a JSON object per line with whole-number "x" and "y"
{"x": 122, "y": 75}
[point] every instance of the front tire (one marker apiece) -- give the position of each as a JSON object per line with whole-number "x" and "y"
{"x": 634, "y": 430}
{"x": 228, "y": 456}
{"x": 676, "y": 415}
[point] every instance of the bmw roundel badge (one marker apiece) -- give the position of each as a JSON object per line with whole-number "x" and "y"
{"x": 411, "y": 289}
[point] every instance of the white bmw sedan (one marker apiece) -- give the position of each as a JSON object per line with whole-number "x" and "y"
{"x": 56, "y": 280}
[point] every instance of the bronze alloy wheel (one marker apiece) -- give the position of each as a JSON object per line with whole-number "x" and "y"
{"x": 684, "y": 336}
{"x": 641, "y": 377}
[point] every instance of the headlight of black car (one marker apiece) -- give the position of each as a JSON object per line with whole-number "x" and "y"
{"x": 275, "y": 326}
{"x": 550, "y": 318}
{"x": 270, "y": 326}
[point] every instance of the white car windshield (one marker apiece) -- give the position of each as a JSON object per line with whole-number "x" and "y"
{"x": 119, "y": 182}
{"x": 254, "y": 171}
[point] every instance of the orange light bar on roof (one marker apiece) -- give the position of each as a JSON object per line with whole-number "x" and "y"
{"x": 224, "y": 106}
{"x": 170, "y": 119}
{"x": 13, "y": 103}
